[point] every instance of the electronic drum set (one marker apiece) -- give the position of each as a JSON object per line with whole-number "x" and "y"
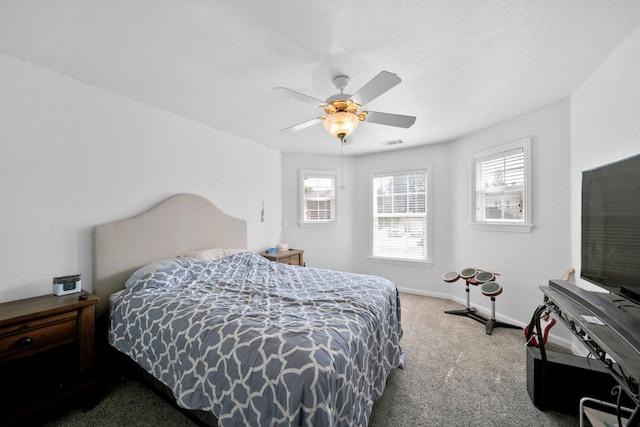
{"x": 488, "y": 286}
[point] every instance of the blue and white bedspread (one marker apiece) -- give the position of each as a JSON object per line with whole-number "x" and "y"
{"x": 260, "y": 343}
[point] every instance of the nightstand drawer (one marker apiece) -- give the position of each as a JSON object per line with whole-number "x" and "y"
{"x": 39, "y": 335}
{"x": 291, "y": 260}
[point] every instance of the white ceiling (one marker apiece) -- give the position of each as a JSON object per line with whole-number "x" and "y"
{"x": 465, "y": 64}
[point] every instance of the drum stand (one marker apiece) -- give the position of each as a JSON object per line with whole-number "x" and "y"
{"x": 493, "y": 323}
{"x": 468, "y": 311}
{"x": 489, "y": 323}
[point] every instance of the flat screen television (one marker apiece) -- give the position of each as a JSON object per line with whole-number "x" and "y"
{"x": 610, "y": 256}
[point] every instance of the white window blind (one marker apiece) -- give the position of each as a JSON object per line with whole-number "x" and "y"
{"x": 501, "y": 185}
{"x": 400, "y": 215}
{"x": 318, "y": 196}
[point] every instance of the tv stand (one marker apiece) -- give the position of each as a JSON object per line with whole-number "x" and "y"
{"x": 608, "y": 326}
{"x": 631, "y": 292}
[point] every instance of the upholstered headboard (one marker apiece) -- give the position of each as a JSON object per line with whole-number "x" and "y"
{"x": 182, "y": 223}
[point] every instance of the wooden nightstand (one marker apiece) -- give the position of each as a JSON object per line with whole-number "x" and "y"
{"x": 46, "y": 353}
{"x": 290, "y": 256}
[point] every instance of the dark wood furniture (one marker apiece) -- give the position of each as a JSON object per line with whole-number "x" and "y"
{"x": 290, "y": 256}
{"x": 46, "y": 354}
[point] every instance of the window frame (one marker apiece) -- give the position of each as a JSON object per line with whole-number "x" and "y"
{"x": 524, "y": 226}
{"x": 428, "y": 240}
{"x": 319, "y": 173}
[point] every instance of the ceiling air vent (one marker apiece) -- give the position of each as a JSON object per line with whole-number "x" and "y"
{"x": 393, "y": 142}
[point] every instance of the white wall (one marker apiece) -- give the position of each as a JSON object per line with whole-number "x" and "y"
{"x": 326, "y": 246}
{"x": 417, "y": 279}
{"x": 73, "y": 156}
{"x": 525, "y": 261}
{"x": 605, "y": 124}
{"x": 345, "y": 246}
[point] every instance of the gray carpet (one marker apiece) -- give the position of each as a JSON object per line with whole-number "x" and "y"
{"x": 455, "y": 375}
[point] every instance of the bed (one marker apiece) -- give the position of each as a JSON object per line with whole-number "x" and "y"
{"x": 233, "y": 335}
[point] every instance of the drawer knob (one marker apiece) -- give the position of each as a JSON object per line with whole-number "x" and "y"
{"x": 25, "y": 341}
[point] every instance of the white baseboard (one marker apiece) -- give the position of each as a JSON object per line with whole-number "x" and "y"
{"x": 424, "y": 293}
{"x": 480, "y": 309}
{"x": 486, "y": 311}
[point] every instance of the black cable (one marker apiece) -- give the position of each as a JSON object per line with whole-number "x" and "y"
{"x": 532, "y": 323}
{"x": 543, "y": 352}
{"x": 535, "y": 323}
{"x": 618, "y": 390}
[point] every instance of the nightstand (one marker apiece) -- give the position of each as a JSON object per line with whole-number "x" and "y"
{"x": 290, "y": 256}
{"x": 46, "y": 353}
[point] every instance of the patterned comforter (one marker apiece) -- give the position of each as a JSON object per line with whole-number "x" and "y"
{"x": 260, "y": 343}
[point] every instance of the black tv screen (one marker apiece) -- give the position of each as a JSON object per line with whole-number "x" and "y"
{"x": 610, "y": 255}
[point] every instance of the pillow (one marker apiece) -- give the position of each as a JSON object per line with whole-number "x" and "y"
{"x": 150, "y": 269}
{"x": 212, "y": 254}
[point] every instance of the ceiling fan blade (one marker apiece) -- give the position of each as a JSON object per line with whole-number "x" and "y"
{"x": 375, "y": 87}
{"x": 299, "y": 96}
{"x": 302, "y": 125}
{"x": 390, "y": 119}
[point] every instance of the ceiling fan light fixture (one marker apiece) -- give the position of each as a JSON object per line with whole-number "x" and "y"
{"x": 343, "y": 110}
{"x": 341, "y": 124}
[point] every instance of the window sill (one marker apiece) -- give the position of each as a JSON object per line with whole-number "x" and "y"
{"x": 406, "y": 262}
{"x": 329, "y": 224}
{"x": 508, "y": 227}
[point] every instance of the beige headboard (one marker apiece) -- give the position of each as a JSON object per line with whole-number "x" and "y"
{"x": 179, "y": 224}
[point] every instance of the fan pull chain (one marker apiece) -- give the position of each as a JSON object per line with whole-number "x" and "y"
{"x": 341, "y": 165}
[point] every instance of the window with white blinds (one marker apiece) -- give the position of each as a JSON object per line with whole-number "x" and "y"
{"x": 318, "y": 196}
{"x": 400, "y": 214}
{"x": 501, "y": 185}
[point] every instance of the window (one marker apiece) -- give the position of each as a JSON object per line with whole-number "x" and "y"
{"x": 501, "y": 187}
{"x": 318, "y": 196}
{"x": 400, "y": 220}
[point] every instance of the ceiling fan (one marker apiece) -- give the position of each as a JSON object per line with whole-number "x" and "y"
{"x": 343, "y": 110}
